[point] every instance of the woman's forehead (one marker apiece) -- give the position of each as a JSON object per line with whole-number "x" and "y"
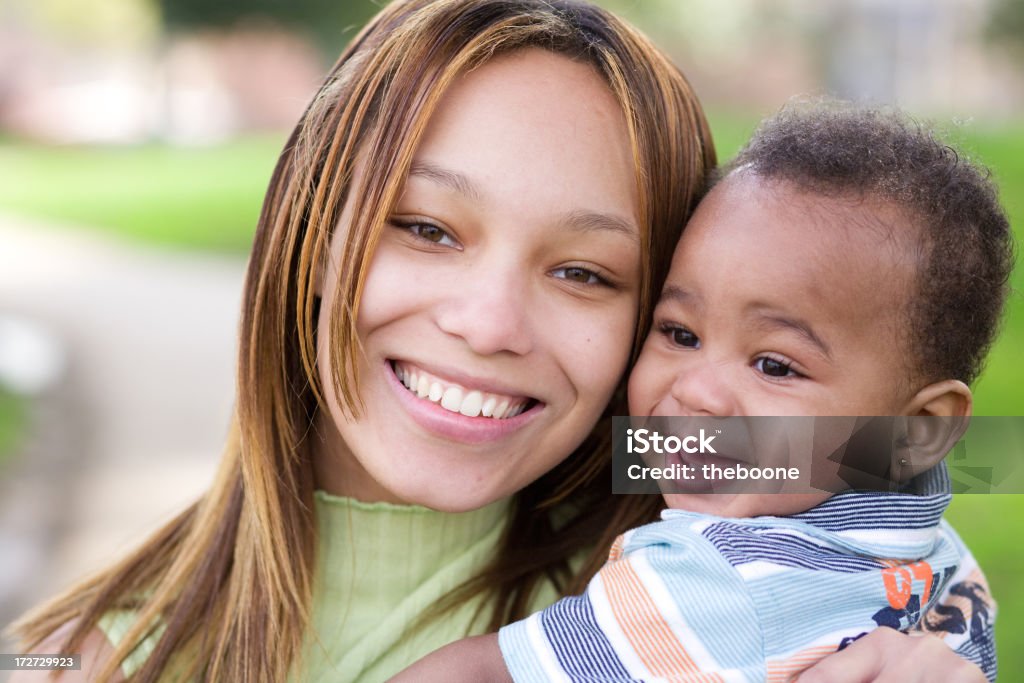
{"x": 532, "y": 129}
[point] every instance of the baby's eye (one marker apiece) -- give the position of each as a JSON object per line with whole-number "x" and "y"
{"x": 584, "y": 276}
{"x": 773, "y": 367}
{"x": 681, "y": 336}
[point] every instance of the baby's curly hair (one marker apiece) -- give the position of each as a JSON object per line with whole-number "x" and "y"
{"x": 837, "y": 149}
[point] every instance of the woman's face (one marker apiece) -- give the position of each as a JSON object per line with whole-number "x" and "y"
{"x": 500, "y": 303}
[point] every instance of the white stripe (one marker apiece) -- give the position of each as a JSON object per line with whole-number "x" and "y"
{"x": 544, "y": 652}
{"x": 900, "y": 539}
{"x": 662, "y": 598}
{"x": 760, "y": 569}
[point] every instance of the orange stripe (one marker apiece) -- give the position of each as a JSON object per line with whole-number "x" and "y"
{"x": 617, "y": 547}
{"x": 781, "y": 671}
{"x": 645, "y": 627}
{"x": 634, "y": 613}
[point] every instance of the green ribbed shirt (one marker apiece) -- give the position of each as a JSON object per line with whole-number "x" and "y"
{"x": 380, "y": 566}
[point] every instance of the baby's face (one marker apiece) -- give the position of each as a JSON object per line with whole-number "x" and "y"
{"x": 779, "y": 303}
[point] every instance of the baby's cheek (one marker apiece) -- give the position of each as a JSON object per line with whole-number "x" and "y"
{"x": 646, "y": 384}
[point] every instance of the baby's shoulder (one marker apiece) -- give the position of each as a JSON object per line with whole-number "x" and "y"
{"x": 680, "y": 534}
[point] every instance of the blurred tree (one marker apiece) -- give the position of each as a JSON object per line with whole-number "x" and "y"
{"x": 107, "y": 24}
{"x": 1006, "y": 23}
{"x": 330, "y": 22}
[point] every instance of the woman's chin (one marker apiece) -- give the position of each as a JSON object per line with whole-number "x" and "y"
{"x": 448, "y": 500}
{"x": 437, "y": 483}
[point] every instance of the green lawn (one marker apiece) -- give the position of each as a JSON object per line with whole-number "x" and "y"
{"x": 993, "y": 526}
{"x": 201, "y": 198}
{"x": 13, "y": 415}
{"x": 999, "y": 392}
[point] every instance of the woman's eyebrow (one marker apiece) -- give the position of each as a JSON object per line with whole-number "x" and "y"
{"x": 589, "y": 221}
{"x": 453, "y": 180}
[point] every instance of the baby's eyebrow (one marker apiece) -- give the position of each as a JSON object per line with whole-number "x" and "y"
{"x": 772, "y": 318}
{"x": 680, "y": 295}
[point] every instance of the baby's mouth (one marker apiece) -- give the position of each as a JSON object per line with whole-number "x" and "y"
{"x": 456, "y": 398}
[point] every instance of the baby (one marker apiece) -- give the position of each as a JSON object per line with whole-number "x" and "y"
{"x": 846, "y": 263}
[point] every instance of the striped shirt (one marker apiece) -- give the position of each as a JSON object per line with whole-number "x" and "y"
{"x": 701, "y": 598}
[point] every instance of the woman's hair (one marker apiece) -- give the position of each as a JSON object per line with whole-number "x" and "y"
{"x": 225, "y": 589}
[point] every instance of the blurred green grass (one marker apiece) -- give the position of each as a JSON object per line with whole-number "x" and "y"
{"x": 209, "y": 199}
{"x": 13, "y": 416}
{"x": 204, "y": 198}
{"x": 992, "y": 526}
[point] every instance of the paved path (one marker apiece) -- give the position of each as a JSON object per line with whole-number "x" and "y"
{"x": 151, "y": 339}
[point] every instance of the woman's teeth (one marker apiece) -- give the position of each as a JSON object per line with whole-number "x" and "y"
{"x": 458, "y": 399}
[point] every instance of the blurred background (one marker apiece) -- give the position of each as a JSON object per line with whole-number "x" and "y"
{"x": 137, "y": 138}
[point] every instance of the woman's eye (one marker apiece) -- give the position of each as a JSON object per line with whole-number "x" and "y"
{"x": 681, "y": 336}
{"x": 578, "y": 274}
{"x": 431, "y": 233}
{"x": 773, "y": 367}
{"x": 427, "y": 232}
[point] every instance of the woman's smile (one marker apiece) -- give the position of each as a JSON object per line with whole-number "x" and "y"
{"x": 472, "y": 398}
{"x": 463, "y": 412}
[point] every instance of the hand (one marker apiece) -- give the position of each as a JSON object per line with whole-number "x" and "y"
{"x": 888, "y": 656}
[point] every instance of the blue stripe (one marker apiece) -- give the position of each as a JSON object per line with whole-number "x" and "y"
{"x": 930, "y": 483}
{"x": 582, "y": 648}
{"x": 981, "y": 653}
{"x": 858, "y": 510}
{"x": 742, "y": 545}
{"x": 918, "y": 505}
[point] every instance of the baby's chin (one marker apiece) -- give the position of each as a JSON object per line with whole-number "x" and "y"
{"x": 746, "y": 504}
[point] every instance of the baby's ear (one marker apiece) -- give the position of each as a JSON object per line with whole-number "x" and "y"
{"x": 948, "y": 398}
{"x": 935, "y": 418}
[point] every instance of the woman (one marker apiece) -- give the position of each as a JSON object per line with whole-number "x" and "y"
{"x": 455, "y": 250}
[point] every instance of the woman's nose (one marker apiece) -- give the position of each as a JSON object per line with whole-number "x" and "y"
{"x": 489, "y": 310}
{"x": 703, "y": 389}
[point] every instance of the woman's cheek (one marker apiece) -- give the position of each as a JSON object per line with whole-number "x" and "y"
{"x": 603, "y": 351}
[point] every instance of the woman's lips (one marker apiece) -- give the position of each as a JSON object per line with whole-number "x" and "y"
{"x": 455, "y": 397}
{"x": 441, "y": 420}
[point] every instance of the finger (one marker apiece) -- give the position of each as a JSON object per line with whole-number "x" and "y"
{"x": 914, "y": 669}
{"x": 888, "y": 656}
{"x": 861, "y": 662}
{"x": 846, "y": 666}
